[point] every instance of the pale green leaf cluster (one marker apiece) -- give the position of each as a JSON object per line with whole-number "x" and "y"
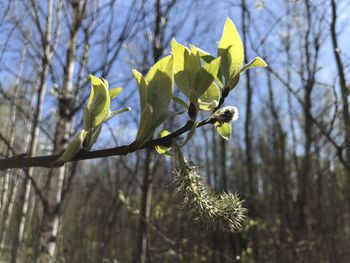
{"x": 96, "y": 113}
{"x": 195, "y": 71}
{"x": 156, "y": 93}
{"x": 205, "y": 81}
{"x": 231, "y": 51}
{"x": 201, "y": 77}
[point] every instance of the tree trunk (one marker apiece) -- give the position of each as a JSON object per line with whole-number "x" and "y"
{"x": 6, "y": 193}
{"x": 51, "y": 216}
{"x": 143, "y": 234}
{"x": 25, "y": 186}
{"x": 345, "y": 90}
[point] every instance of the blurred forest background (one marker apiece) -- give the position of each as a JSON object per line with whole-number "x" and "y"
{"x": 288, "y": 158}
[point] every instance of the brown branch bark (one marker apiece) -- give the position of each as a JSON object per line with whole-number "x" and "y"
{"x": 51, "y": 161}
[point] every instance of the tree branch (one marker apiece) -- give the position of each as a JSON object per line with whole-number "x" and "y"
{"x": 51, "y": 161}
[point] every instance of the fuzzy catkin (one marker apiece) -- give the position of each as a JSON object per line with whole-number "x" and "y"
{"x": 222, "y": 211}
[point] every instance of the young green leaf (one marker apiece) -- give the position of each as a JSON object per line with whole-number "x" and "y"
{"x": 146, "y": 125}
{"x": 87, "y": 120}
{"x": 74, "y": 146}
{"x": 164, "y": 116}
{"x": 163, "y": 149}
{"x": 206, "y": 76}
{"x": 114, "y": 92}
{"x": 224, "y": 129}
{"x": 116, "y": 112}
{"x": 232, "y": 82}
{"x": 256, "y": 62}
{"x": 186, "y": 66}
{"x": 160, "y": 83}
{"x": 207, "y": 58}
{"x": 98, "y": 104}
{"x": 202, "y": 54}
{"x": 180, "y": 102}
{"x": 210, "y": 98}
{"x": 231, "y": 50}
{"x": 91, "y": 137}
{"x": 156, "y": 92}
{"x": 142, "y": 84}
{"x": 190, "y": 133}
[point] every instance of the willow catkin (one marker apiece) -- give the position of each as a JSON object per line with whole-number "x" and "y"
{"x": 222, "y": 211}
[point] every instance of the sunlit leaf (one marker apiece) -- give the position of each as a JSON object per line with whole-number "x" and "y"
{"x": 224, "y": 129}
{"x": 156, "y": 92}
{"x": 203, "y": 54}
{"x": 164, "y": 116}
{"x": 116, "y": 112}
{"x": 163, "y": 149}
{"x": 232, "y": 82}
{"x": 114, "y": 92}
{"x": 142, "y": 84}
{"x": 87, "y": 119}
{"x": 145, "y": 127}
{"x": 231, "y": 50}
{"x": 206, "y": 76}
{"x": 98, "y": 104}
{"x": 210, "y": 98}
{"x": 190, "y": 133}
{"x": 160, "y": 82}
{"x": 186, "y": 66}
{"x": 255, "y": 63}
{"x": 180, "y": 102}
{"x": 92, "y": 137}
{"x": 74, "y": 146}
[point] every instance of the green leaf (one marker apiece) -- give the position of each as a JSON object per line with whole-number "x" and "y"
{"x": 180, "y": 101}
{"x": 156, "y": 92}
{"x": 202, "y": 54}
{"x": 206, "y": 76}
{"x": 163, "y": 149}
{"x": 98, "y": 104}
{"x": 207, "y": 58}
{"x": 224, "y": 129}
{"x": 160, "y": 83}
{"x": 186, "y": 66}
{"x": 255, "y": 63}
{"x": 114, "y": 92}
{"x": 230, "y": 37}
{"x": 231, "y": 50}
{"x": 142, "y": 84}
{"x": 116, "y": 112}
{"x": 190, "y": 133}
{"x": 91, "y": 137}
{"x": 74, "y": 146}
{"x": 87, "y": 119}
{"x": 232, "y": 83}
{"x": 210, "y": 98}
{"x": 164, "y": 116}
{"x": 146, "y": 126}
